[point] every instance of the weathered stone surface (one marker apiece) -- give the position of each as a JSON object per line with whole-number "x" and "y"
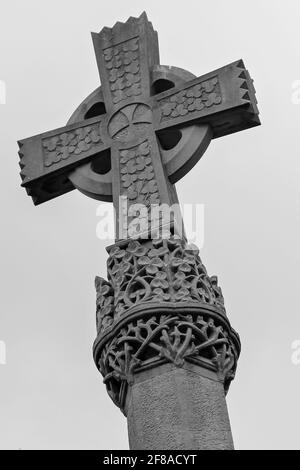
{"x": 177, "y": 409}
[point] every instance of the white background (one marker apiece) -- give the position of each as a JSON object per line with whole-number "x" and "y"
{"x": 51, "y": 395}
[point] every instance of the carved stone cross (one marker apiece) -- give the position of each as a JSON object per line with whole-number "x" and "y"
{"x": 127, "y": 150}
{"x": 161, "y": 319}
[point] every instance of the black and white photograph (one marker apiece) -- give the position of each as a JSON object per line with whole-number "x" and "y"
{"x": 150, "y": 227}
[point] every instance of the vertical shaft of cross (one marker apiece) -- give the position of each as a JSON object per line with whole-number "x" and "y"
{"x": 125, "y": 55}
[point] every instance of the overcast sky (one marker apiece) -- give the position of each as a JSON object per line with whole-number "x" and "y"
{"x": 51, "y": 395}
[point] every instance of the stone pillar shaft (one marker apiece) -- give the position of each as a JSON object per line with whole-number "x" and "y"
{"x": 175, "y": 408}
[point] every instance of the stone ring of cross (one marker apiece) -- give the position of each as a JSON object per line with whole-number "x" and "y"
{"x": 180, "y": 147}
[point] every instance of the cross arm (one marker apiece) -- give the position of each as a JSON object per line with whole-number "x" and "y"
{"x": 224, "y": 99}
{"x": 47, "y": 159}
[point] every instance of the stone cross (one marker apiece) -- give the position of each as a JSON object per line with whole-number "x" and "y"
{"x": 119, "y": 152}
{"x": 162, "y": 326}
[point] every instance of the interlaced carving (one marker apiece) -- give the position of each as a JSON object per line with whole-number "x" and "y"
{"x": 146, "y": 280}
{"x": 154, "y": 271}
{"x": 148, "y": 342}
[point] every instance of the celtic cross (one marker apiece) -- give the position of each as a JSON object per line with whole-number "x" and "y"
{"x": 133, "y": 138}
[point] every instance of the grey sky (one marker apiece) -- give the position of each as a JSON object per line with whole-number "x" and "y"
{"x": 51, "y": 395}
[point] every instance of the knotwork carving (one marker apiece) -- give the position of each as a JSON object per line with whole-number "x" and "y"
{"x": 148, "y": 342}
{"x": 159, "y": 305}
{"x": 163, "y": 270}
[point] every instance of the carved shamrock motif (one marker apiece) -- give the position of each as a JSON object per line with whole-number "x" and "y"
{"x": 197, "y": 104}
{"x": 147, "y": 173}
{"x": 122, "y": 62}
{"x": 195, "y": 98}
{"x": 167, "y": 108}
{"x": 117, "y": 253}
{"x": 181, "y": 109}
{"x": 142, "y": 163}
{"x": 128, "y": 180}
{"x": 160, "y": 281}
{"x": 126, "y": 155}
{"x": 132, "y": 193}
{"x": 180, "y": 97}
{"x": 129, "y": 57}
{"x": 136, "y": 249}
{"x": 156, "y": 252}
{"x": 105, "y": 303}
{"x": 163, "y": 270}
{"x": 194, "y": 92}
{"x": 130, "y": 167}
{"x": 134, "y": 89}
{"x": 184, "y": 265}
{"x": 209, "y": 85}
{"x": 132, "y": 79}
{"x": 115, "y": 62}
{"x": 144, "y": 148}
{"x": 62, "y": 146}
{"x": 182, "y": 294}
{"x": 122, "y": 267}
{"x": 132, "y": 68}
{"x": 118, "y": 96}
{"x": 114, "y": 75}
{"x": 149, "y": 187}
{"x": 118, "y": 84}
{"x": 180, "y": 281}
{"x": 152, "y": 265}
{"x": 119, "y": 271}
{"x": 161, "y": 295}
{"x": 213, "y": 98}
{"x": 141, "y": 186}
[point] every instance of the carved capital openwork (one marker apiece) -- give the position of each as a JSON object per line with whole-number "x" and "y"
{"x": 159, "y": 305}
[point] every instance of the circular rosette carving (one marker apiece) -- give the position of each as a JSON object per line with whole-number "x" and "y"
{"x": 130, "y": 122}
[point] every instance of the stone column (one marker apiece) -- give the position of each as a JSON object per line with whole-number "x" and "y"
{"x": 177, "y": 408}
{"x": 165, "y": 347}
